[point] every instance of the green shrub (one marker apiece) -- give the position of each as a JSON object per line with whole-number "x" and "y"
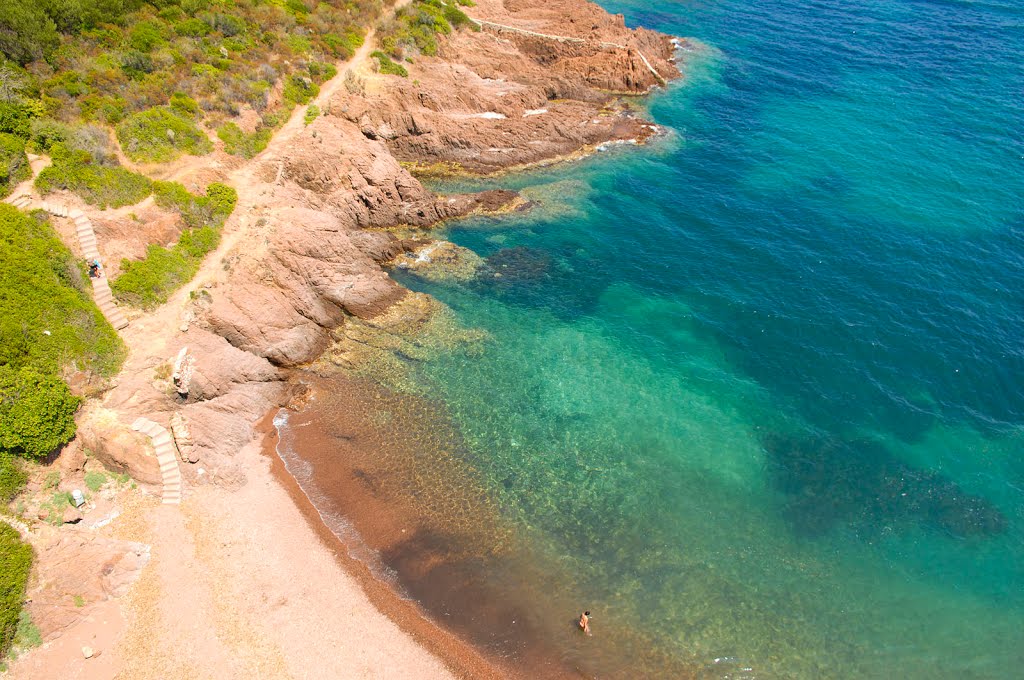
{"x": 321, "y": 72}
{"x": 37, "y": 412}
{"x": 28, "y": 635}
{"x": 12, "y": 477}
{"x": 149, "y": 282}
{"x": 197, "y": 211}
{"x": 16, "y": 117}
{"x": 343, "y": 46}
{"x": 103, "y": 108}
{"x": 238, "y": 143}
{"x": 192, "y": 28}
{"x": 456, "y": 17}
{"x": 184, "y": 105}
{"x": 222, "y": 198}
{"x": 387, "y": 66}
{"x": 45, "y": 132}
{"x": 14, "y": 166}
{"x": 15, "y": 564}
{"x": 300, "y": 89}
{"x": 417, "y": 26}
{"x": 103, "y": 186}
{"x": 48, "y": 320}
{"x": 311, "y": 113}
{"x": 26, "y": 32}
{"x": 146, "y": 36}
{"x": 159, "y": 135}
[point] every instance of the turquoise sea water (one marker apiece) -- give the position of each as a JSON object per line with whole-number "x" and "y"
{"x": 760, "y": 385}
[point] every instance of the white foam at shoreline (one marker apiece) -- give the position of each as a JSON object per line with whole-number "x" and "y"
{"x": 302, "y": 472}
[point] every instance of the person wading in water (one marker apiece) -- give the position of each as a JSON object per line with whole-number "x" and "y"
{"x": 584, "y": 623}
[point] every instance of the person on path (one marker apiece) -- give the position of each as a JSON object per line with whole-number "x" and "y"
{"x": 584, "y": 623}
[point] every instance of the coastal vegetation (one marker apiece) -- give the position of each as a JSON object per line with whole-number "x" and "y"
{"x": 164, "y": 74}
{"x": 49, "y": 327}
{"x": 388, "y": 67}
{"x": 102, "y": 183}
{"x": 149, "y": 282}
{"x": 15, "y": 564}
{"x": 239, "y": 143}
{"x": 415, "y": 27}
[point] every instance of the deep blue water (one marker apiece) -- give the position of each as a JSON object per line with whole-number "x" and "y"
{"x": 760, "y": 385}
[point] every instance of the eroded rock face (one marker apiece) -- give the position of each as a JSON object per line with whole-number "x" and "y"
{"x": 118, "y": 447}
{"x": 539, "y": 81}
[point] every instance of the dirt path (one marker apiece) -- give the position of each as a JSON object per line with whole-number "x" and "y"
{"x": 148, "y": 333}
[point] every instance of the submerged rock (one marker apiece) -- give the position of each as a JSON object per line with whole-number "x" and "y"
{"x": 861, "y": 484}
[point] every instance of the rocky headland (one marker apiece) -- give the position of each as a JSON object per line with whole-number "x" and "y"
{"x": 299, "y": 280}
{"x": 306, "y": 249}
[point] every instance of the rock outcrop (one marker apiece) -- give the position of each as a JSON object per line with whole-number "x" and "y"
{"x": 539, "y": 81}
{"x": 327, "y": 205}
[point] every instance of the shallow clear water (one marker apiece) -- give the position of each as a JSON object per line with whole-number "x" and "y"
{"x": 760, "y": 385}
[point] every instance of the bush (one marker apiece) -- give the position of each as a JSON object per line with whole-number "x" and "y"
{"x": 16, "y": 118}
{"x": 15, "y": 564}
{"x": 192, "y": 28}
{"x": 311, "y": 113}
{"x": 48, "y": 320}
{"x": 12, "y": 477}
{"x": 45, "y": 132}
{"x": 417, "y": 26}
{"x": 300, "y": 89}
{"x": 75, "y": 170}
{"x": 197, "y": 211}
{"x": 149, "y": 282}
{"x": 184, "y": 105}
{"x": 26, "y": 32}
{"x": 387, "y": 66}
{"x": 238, "y": 143}
{"x": 14, "y": 166}
{"x": 146, "y": 35}
{"x": 343, "y": 46}
{"x": 159, "y": 135}
{"x": 37, "y": 412}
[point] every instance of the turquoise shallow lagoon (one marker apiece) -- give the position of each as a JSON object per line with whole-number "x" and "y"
{"x": 760, "y": 385}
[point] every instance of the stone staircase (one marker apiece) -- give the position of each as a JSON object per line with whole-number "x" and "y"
{"x": 165, "y": 456}
{"x": 87, "y": 241}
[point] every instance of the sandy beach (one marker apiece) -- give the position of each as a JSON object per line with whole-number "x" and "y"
{"x": 240, "y": 585}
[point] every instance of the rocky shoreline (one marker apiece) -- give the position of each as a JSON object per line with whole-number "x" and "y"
{"x": 312, "y": 233}
{"x": 300, "y": 278}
